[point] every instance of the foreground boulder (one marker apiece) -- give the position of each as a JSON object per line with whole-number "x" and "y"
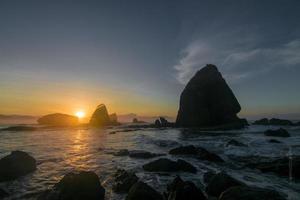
{"x": 183, "y": 190}
{"x": 3, "y": 194}
{"x": 141, "y": 190}
{"x": 221, "y": 182}
{"x": 280, "y": 166}
{"x": 250, "y": 193}
{"x": 207, "y": 101}
{"x": 277, "y": 133}
{"x": 100, "y": 117}
{"x": 167, "y": 165}
{"x": 58, "y": 119}
{"x": 17, "y": 164}
{"x": 198, "y": 152}
{"x": 76, "y": 186}
{"x": 123, "y": 181}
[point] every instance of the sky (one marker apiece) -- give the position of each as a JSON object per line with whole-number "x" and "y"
{"x": 137, "y": 56}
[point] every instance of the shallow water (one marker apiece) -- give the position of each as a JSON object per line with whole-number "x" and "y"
{"x": 59, "y": 151}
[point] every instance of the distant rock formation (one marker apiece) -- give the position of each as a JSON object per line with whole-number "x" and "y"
{"x": 162, "y": 122}
{"x": 113, "y": 118}
{"x": 274, "y": 121}
{"x": 17, "y": 164}
{"x": 207, "y": 101}
{"x": 135, "y": 121}
{"x": 58, "y": 119}
{"x": 101, "y": 118}
{"x": 277, "y": 133}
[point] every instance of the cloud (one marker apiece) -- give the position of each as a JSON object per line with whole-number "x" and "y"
{"x": 235, "y": 62}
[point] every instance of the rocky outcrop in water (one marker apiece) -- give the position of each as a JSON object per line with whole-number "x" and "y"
{"x": 101, "y": 118}
{"x": 167, "y": 165}
{"x": 183, "y": 190}
{"x": 198, "y": 152}
{"x": 3, "y": 194}
{"x": 207, "y": 101}
{"x": 277, "y": 133}
{"x": 76, "y": 186}
{"x": 221, "y": 182}
{"x": 19, "y": 128}
{"x": 280, "y": 166}
{"x": 234, "y": 142}
{"x": 123, "y": 181}
{"x": 15, "y": 165}
{"x": 250, "y": 193}
{"x": 142, "y": 154}
{"x": 274, "y": 121}
{"x": 142, "y": 191}
{"x": 58, "y": 119}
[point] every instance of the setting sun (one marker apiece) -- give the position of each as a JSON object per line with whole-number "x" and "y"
{"x": 80, "y": 114}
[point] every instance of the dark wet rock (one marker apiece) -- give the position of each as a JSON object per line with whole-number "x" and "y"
{"x": 207, "y": 101}
{"x": 273, "y": 141}
{"x": 167, "y": 165}
{"x": 263, "y": 121}
{"x": 141, "y": 190}
{"x": 58, "y": 119}
{"x": 250, "y": 193}
{"x": 165, "y": 143}
{"x": 76, "y": 186}
{"x": 157, "y": 123}
{"x": 277, "y": 133}
{"x": 135, "y": 121}
{"x": 123, "y": 180}
{"x": 198, "y": 152}
{"x": 274, "y": 121}
{"x": 279, "y": 166}
{"x": 113, "y": 118}
{"x": 121, "y": 152}
{"x": 183, "y": 190}
{"x": 162, "y": 122}
{"x": 143, "y": 154}
{"x": 3, "y": 194}
{"x": 208, "y": 176}
{"x": 281, "y": 122}
{"x": 221, "y": 182}
{"x": 101, "y": 118}
{"x": 234, "y": 142}
{"x": 17, "y": 164}
{"x": 19, "y": 128}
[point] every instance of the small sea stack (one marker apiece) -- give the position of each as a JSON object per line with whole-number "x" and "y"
{"x": 101, "y": 117}
{"x": 207, "y": 101}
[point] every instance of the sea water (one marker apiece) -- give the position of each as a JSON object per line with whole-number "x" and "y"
{"x": 62, "y": 150}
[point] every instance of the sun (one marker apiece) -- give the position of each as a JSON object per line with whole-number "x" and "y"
{"x": 80, "y": 114}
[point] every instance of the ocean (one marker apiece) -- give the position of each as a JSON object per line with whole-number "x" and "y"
{"x": 62, "y": 150}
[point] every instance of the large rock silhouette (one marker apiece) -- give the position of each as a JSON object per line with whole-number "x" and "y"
{"x": 101, "y": 117}
{"x": 207, "y": 101}
{"x": 58, "y": 119}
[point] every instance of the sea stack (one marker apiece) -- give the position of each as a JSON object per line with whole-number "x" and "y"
{"x": 101, "y": 117}
{"x": 207, "y": 102}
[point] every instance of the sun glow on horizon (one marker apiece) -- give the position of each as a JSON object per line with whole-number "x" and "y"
{"x": 80, "y": 114}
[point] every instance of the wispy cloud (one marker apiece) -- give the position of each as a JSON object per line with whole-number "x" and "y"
{"x": 236, "y": 64}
